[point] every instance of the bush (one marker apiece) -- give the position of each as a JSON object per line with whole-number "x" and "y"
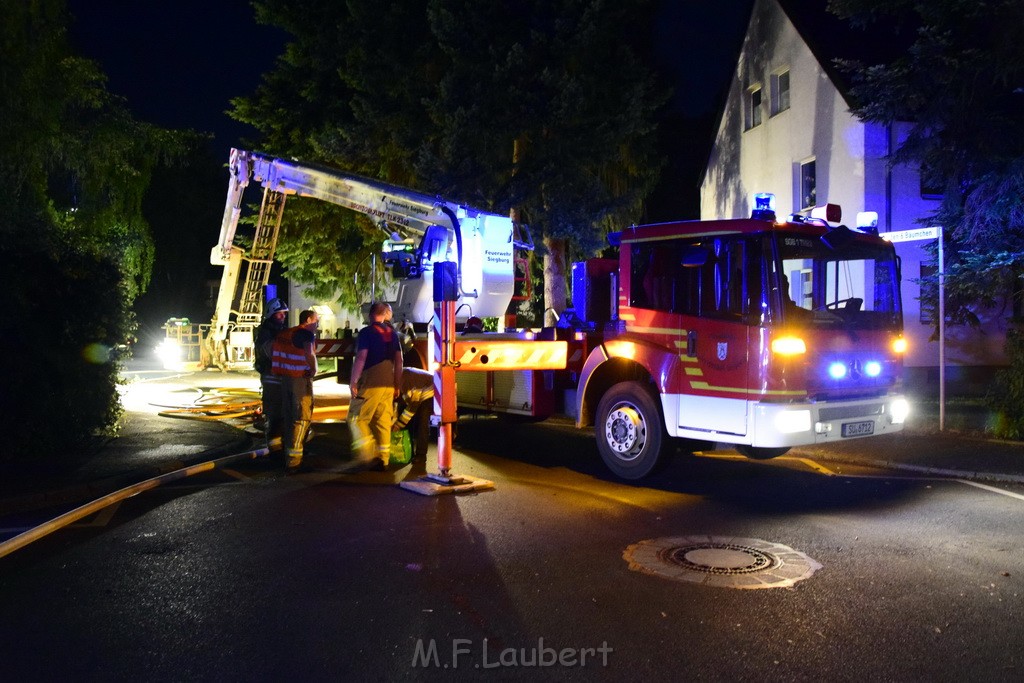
{"x": 65, "y": 311}
{"x": 1007, "y": 396}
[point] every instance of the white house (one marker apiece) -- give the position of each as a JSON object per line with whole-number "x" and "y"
{"x": 786, "y": 128}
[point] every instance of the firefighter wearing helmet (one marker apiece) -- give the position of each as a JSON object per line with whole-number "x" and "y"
{"x": 274, "y": 321}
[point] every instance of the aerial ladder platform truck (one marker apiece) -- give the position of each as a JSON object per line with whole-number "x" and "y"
{"x": 762, "y": 333}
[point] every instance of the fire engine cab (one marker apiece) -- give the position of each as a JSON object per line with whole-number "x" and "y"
{"x": 760, "y": 333}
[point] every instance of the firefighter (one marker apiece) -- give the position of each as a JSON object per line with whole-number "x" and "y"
{"x": 416, "y": 401}
{"x": 293, "y": 359}
{"x": 375, "y": 382}
{"x": 273, "y": 417}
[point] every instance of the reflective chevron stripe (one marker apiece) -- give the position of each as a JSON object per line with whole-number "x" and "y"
{"x": 482, "y": 355}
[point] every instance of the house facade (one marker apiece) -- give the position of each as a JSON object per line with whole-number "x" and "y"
{"x": 786, "y": 128}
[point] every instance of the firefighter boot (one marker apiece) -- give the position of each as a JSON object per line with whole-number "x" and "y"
{"x": 294, "y": 453}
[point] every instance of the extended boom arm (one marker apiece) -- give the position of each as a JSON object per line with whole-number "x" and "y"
{"x": 481, "y": 243}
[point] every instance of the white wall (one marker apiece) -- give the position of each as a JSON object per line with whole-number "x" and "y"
{"x": 332, "y": 316}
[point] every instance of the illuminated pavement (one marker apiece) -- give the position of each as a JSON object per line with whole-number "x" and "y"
{"x": 150, "y": 444}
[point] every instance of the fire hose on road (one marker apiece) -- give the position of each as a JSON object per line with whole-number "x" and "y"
{"x": 34, "y": 534}
{"x": 217, "y": 404}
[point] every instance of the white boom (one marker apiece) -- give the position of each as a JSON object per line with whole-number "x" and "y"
{"x": 481, "y": 243}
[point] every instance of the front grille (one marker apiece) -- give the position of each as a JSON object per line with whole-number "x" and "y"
{"x": 844, "y": 412}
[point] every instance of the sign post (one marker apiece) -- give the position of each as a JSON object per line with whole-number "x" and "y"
{"x": 931, "y": 234}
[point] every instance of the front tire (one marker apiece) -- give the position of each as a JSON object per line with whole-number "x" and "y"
{"x": 629, "y": 430}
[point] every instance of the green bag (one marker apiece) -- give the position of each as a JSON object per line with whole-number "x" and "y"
{"x": 401, "y": 447}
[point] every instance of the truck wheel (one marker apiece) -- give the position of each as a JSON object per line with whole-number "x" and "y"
{"x": 629, "y": 430}
{"x": 755, "y": 453}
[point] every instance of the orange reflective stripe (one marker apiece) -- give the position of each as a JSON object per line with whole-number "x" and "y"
{"x": 285, "y": 358}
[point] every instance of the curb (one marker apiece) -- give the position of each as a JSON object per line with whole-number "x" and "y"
{"x": 938, "y": 472}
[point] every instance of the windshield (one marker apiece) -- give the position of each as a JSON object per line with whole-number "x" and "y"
{"x": 856, "y": 286}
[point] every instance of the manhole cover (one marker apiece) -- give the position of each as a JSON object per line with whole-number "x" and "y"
{"x": 721, "y": 561}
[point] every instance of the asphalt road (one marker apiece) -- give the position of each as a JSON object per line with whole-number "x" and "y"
{"x": 251, "y": 575}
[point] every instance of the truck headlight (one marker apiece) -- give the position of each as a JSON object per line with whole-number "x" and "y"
{"x": 899, "y": 409}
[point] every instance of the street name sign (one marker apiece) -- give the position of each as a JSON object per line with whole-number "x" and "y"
{"x": 911, "y": 235}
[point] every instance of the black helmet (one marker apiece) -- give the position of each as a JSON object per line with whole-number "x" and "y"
{"x": 275, "y": 305}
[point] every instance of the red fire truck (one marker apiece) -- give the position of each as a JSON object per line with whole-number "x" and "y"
{"x": 760, "y": 333}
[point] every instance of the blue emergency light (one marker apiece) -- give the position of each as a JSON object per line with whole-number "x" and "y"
{"x": 839, "y": 370}
{"x": 764, "y": 207}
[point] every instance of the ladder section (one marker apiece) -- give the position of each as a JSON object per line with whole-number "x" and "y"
{"x": 261, "y": 258}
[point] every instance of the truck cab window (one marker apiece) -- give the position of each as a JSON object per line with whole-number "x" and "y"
{"x": 727, "y": 285}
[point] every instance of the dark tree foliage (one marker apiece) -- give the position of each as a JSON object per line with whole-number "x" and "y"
{"x": 961, "y": 85}
{"x": 66, "y": 311}
{"x": 547, "y": 106}
{"x": 346, "y": 93}
{"x": 1007, "y": 395}
{"x": 76, "y": 250}
{"x": 535, "y": 105}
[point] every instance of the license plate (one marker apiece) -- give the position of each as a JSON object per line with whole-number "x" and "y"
{"x": 859, "y": 428}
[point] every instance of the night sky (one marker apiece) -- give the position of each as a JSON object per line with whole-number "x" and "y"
{"x": 178, "y": 63}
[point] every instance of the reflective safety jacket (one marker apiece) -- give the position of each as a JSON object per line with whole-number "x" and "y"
{"x": 286, "y": 358}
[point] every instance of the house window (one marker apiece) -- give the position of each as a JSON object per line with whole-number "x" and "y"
{"x": 780, "y": 92}
{"x": 930, "y": 189}
{"x": 753, "y": 113}
{"x": 808, "y": 185}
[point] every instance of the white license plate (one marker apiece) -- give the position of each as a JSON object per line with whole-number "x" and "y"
{"x": 859, "y": 428}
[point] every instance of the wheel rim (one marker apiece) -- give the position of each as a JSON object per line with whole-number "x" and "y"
{"x": 625, "y": 431}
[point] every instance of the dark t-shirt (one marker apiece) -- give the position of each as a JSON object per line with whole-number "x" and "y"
{"x": 302, "y": 337}
{"x": 380, "y": 341}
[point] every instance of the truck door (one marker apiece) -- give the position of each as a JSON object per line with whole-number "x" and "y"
{"x": 723, "y": 308}
{"x": 703, "y": 301}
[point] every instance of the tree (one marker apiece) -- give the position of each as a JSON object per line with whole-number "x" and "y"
{"x": 345, "y": 93}
{"x": 534, "y": 105}
{"x": 549, "y": 109}
{"x": 74, "y": 167}
{"x": 961, "y": 85}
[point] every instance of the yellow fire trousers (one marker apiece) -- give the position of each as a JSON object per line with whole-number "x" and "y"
{"x": 370, "y": 417}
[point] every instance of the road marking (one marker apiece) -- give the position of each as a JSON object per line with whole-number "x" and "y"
{"x": 993, "y": 489}
{"x": 817, "y": 467}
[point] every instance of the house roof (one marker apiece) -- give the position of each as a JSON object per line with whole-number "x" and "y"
{"x": 830, "y": 38}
